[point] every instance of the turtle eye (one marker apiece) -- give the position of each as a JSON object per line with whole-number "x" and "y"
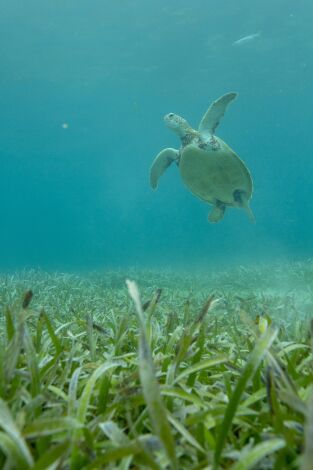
{"x": 171, "y": 115}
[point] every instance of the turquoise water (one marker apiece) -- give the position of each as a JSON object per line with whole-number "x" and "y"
{"x": 84, "y": 87}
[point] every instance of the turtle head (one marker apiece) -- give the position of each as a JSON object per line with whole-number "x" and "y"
{"x": 177, "y": 124}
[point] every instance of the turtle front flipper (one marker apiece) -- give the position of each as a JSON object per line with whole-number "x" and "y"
{"x": 161, "y": 162}
{"x": 214, "y": 114}
{"x": 217, "y": 212}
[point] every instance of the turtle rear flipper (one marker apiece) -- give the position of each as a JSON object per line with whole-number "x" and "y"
{"x": 249, "y": 212}
{"x": 217, "y": 212}
{"x": 241, "y": 199}
{"x": 161, "y": 162}
{"x": 214, "y": 114}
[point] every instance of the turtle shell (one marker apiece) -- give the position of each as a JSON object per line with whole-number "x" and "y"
{"x": 215, "y": 175}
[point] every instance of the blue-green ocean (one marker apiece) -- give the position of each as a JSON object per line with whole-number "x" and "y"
{"x": 84, "y": 86}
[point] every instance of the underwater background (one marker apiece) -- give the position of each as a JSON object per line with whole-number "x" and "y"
{"x": 84, "y": 88}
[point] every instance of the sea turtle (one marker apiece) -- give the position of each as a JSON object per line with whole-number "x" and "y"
{"x": 209, "y": 168}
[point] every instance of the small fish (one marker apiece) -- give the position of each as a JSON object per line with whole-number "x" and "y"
{"x": 146, "y": 305}
{"x": 246, "y": 39}
{"x": 100, "y": 328}
{"x": 27, "y": 298}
